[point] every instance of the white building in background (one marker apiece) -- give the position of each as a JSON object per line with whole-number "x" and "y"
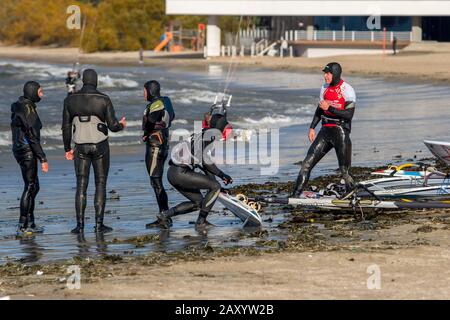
{"x": 427, "y": 20}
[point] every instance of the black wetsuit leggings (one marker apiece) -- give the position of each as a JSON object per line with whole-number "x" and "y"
{"x": 29, "y": 167}
{"x": 328, "y": 138}
{"x": 98, "y": 156}
{"x": 155, "y": 157}
{"x": 189, "y": 183}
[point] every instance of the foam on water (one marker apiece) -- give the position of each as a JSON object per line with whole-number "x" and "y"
{"x": 108, "y": 82}
{"x": 37, "y": 69}
{"x": 180, "y": 121}
{"x": 191, "y": 96}
{"x": 272, "y": 121}
{"x": 5, "y": 139}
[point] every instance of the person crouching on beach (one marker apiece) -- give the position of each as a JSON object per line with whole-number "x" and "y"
{"x": 26, "y": 145}
{"x": 186, "y": 157}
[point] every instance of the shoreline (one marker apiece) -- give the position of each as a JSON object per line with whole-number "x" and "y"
{"x": 420, "y": 64}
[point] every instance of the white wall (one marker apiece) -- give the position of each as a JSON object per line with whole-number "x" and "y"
{"x": 330, "y": 52}
{"x": 308, "y": 8}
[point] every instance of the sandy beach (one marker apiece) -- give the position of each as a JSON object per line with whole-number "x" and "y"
{"x": 426, "y": 62}
{"x": 308, "y": 256}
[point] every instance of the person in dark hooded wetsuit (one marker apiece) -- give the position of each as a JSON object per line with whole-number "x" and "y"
{"x": 88, "y": 115}
{"x": 182, "y": 174}
{"x": 158, "y": 117}
{"x": 336, "y": 109}
{"x": 26, "y": 145}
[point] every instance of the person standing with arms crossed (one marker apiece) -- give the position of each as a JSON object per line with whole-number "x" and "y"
{"x": 88, "y": 115}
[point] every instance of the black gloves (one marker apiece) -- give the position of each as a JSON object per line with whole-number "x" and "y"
{"x": 226, "y": 178}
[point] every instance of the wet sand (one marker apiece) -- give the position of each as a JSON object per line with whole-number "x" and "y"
{"x": 420, "y": 62}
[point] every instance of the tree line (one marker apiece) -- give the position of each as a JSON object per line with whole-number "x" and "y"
{"x": 106, "y": 25}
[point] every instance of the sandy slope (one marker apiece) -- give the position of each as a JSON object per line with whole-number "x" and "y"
{"x": 419, "y": 273}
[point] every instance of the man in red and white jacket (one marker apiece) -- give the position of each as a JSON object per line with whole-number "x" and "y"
{"x": 336, "y": 109}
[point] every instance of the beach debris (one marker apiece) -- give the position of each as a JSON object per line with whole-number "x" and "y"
{"x": 114, "y": 195}
{"x": 62, "y": 280}
{"x": 113, "y": 258}
{"x": 425, "y": 229}
{"x": 139, "y": 242}
{"x": 39, "y": 273}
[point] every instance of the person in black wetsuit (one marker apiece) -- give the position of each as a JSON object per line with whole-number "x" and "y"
{"x": 336, "y": 109}
{"x": 158, "y": 116}
{"x": 71, "y": 81}
{"x": 26, "y": 145}
{"x": 182, "y": 174}
{"x": 87, "y": 116}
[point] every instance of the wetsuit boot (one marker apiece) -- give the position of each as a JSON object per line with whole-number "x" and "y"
{"x": 164, "y": 219}
{"x": 158, "y": 222}
{"x": 201, "y": 222}
{"x": 349, "y": 182}
{"x": 99, "y": 226}
{"x": 22, "y": 227}
{"x": 80, "y": 224}
{"x": 301, "y": 181}
{"x": 297, "y": 191}
{"x": 161, "y": 197}
{"x": 32, "y": 227}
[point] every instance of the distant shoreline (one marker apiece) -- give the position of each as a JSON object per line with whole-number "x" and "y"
{"x": 427, "y": 63}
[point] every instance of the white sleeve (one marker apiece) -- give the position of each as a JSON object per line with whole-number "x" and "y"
{"x": 322, "y": 91}
{"x": 349, "y": 93}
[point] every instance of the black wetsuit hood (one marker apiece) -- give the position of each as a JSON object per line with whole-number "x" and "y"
{"x": 90, "y": 78}
{"x": 26, "y": 128}
{"x": 336, "y": 70}
{"x": 153, "y": 89}
{"x": 30, "y": 91}
{"x": 88, "y": 102}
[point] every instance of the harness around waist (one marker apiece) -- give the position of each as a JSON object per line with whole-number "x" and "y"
{"x": 89, "y": 129}
{"x": 327, "y": 120}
